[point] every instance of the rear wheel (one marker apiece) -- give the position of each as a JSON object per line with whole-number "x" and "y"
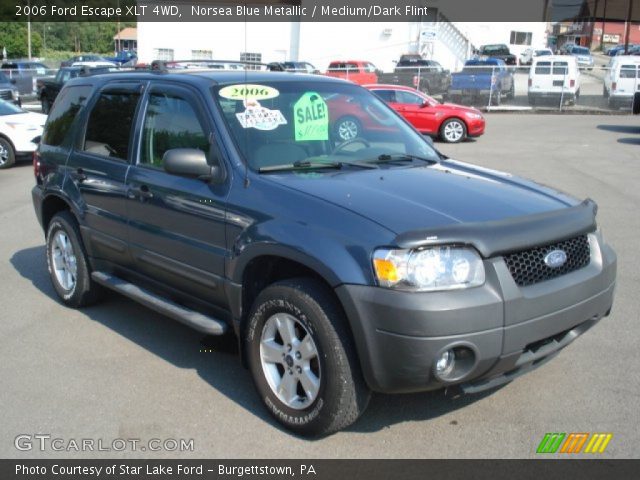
{"x": 46, "y": 105}
{"x": 453, "y": 130}
{"x": 512, "y": 92}
{"x": 302, "y": 358}
{"x": 67, "y": 262}
{"x": 496, "y": 99}
{"x": 7, "y": 153}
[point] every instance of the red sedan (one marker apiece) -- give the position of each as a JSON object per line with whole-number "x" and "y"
{"x": 452, "y": 123}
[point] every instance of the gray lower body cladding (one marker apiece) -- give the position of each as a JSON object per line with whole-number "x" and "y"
{"x": 508, "y": 329}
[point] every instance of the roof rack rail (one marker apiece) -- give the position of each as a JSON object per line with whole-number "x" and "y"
{"x": 168, "y": 65}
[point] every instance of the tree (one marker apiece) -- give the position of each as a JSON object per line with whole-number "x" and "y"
{"x": 13, "y": 37}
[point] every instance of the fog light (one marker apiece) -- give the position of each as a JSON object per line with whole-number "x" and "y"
{"x": 445, "y": 363}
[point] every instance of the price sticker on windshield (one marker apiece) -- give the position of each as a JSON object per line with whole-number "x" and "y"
{"x": 248, "y": 91}
{"x": 311, "y": 118}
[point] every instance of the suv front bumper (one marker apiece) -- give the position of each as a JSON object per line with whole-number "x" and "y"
{"x": 510, "y": 329}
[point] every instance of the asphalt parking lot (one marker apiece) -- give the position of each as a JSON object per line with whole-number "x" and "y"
{"x": 118, "y": 370}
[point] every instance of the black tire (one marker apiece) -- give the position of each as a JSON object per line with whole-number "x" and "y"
{"x": 512, "y": 92}
{"x": 605, "y": 92}
{"x": 84, "y": 291}
{"x": 532, "y": 101}
{"x": 351, "y": 125}
{"x": 461, "y": 126}
{"x": 7, "y": 153}
{"x": 46, "y": 105}
{"x": 342, "y": 393}
{"x": 496, "y": 98}
{"x": 635, "y": 107}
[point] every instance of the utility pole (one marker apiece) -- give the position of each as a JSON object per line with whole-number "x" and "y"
{"x": 29, "y": 36}
{"x": 628, "y": 27}
{"x": 593, "y": 24}
{"x": 29, "y": 31}
{"x": 604, "y": 22}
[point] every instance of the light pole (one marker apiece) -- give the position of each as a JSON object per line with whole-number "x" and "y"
{"x": 29, "y": 32}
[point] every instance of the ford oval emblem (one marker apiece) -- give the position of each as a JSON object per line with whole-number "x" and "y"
{"x": 555, "y": 258}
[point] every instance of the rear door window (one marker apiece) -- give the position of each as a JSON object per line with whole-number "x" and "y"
{"x": 560, "y": 68}
{"x": 63, "y": 113}
{"x": 543, "y": 68}
{"x": 110, "y": 124}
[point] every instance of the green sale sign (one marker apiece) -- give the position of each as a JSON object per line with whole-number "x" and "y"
{"x": 311, "y": 118}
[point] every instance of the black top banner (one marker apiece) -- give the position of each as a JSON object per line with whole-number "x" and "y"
{"x": 316, "y": 10}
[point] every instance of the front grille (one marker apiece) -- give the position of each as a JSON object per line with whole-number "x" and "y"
{"x": 5, "y": 94}
{"x": 528, "y": 267}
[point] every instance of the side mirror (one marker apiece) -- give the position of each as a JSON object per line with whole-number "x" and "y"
{"x": 12, "y": 81}
{"x": 189, "y": 162}
{"x": 425, "y": 104}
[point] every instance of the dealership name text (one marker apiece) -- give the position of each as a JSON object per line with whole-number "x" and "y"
{"x": 115, "y": 469}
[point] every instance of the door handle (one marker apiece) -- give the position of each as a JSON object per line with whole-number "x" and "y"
{"x": 79, "y": 175}
{"x": 142, "y": 192}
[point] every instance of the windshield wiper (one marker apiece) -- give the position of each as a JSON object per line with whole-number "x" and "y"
{"x": 301, "y": 164}
{"x": 400, "y": 157}
{"x": 311, "y": 165}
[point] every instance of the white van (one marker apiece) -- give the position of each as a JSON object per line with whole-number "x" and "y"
{"x": 554, "y": 77}
{"x": 622, "y": 80}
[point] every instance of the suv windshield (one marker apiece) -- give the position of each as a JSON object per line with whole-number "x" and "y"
{"x": 310, "y": 123}
{"x": 7, "y": 108}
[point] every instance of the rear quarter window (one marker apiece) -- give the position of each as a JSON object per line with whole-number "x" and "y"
{"x": 64, "y": 111}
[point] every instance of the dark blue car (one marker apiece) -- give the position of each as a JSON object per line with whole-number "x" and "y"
{"x": 226, "y": 201}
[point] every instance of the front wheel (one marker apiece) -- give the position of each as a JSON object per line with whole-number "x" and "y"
{"x": 453, "y": 131}
{"x": 7, "y": 153}
{"x": 347, "y": 128}
{"x": 46, "y": 105}
{"x": 303, "y": 360}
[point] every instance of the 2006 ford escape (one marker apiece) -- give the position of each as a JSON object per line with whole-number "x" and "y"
{"x": 227, "y": 201}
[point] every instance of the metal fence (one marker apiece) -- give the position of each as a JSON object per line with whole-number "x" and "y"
{"x": 595, "y": 90}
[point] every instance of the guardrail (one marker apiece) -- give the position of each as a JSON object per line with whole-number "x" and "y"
{"x": 594, "y": 90}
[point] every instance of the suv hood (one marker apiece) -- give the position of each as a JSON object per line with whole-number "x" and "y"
{"x": 406, "y": 199}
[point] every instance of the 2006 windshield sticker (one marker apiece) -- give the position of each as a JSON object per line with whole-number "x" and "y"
{"x": 248, "y": 91}
{"x": 311, "y": 118}
{"x": 255, "y": 115}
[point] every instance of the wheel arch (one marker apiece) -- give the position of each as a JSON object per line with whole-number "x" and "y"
{"x": 5, "y": 137}
{"x": 268, "y": 267}
{"x": 52, "y": 204}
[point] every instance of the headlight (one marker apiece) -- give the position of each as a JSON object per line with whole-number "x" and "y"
{"x": 428, "y": 269}
{"x": 15, "y": 94}
{"x": 473, "y": 115}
